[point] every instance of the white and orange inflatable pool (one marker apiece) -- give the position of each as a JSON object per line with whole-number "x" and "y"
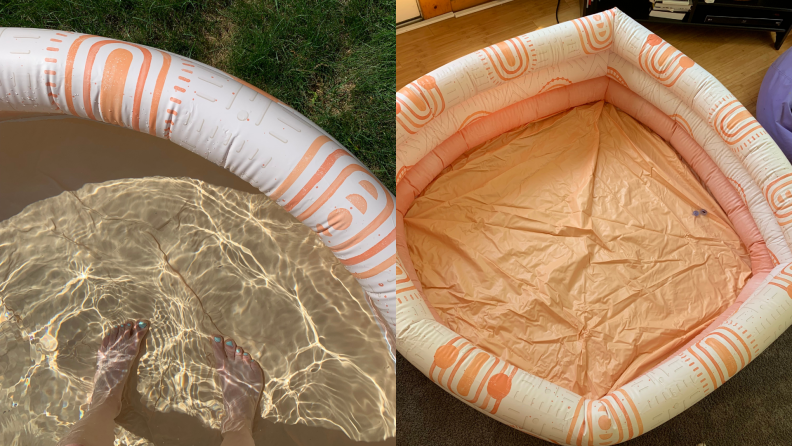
{"x": 59, "y": 88}
{"x": 592, "y": 233}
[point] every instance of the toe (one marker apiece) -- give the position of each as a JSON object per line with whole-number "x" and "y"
{"x": 230, "y": 348}
{"x": 119, "y": 334}
{"x": 105, "y": 342}
{"x": 246, "y": 357}
{"x": 218, "y": 349}
{"x": 140, "y": 328}
{"x": 239, "y": 352}
{"x": 112, "y": 336}
{"x": 128, "y": 327}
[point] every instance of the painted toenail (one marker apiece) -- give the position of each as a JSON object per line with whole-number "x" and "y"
{"x": 217, "y": 339}
{"x": 239, "y": 350}
{"x": 246, "y": 354}
{"x": 142, "y": 324}
{"x": 229, "y": 343}
{"x": 129, "y": 325}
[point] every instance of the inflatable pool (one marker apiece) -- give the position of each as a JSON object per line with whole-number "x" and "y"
{"x": 593, "y": 234}
{"x": 79, "y": 113}
{"x": 48, "y": 75}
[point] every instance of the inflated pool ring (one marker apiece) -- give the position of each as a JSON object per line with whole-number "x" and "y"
{"x": 224, "y": 120}
{"x": 774, "y": 102}
{"x": 610, "y": 57}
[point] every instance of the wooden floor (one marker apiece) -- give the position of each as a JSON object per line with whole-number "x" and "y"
{"x": 738, "y": 59}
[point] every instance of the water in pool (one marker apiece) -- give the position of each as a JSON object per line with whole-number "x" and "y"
{"x": 194, "y": 259}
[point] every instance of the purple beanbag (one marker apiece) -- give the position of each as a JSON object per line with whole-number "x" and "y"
{"x": 775, "y": 98}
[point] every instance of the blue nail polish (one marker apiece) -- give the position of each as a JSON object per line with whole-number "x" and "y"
{"x": 142, "y": 324}
{"x": 217, "y": 339}
{"x": 129, "y": 325}
{"x": 239, "y": 350}
{"x": 229, "y": 343}
{"x": 246, "y": 354}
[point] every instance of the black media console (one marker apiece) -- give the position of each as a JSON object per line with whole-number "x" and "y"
{"x": 757, "y": 15}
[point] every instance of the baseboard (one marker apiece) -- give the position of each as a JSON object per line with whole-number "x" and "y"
{"x": 408, "y": 22}
{"x": 448, "y": 15}
{"x": 481, "y": 7}
{"x": 421, "y": 24}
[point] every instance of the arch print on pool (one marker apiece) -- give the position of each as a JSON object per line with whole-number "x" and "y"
{"x": 610, "y": 57}
{"x": 223, "y": 119}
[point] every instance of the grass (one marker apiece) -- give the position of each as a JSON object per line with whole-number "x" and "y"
{"x": 332, "y": 60}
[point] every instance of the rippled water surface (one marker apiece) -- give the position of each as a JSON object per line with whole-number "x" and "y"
{"x": 194, "y": 259}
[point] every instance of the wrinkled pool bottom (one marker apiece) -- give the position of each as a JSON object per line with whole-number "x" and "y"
{"x": 195, "y": 259}
{"x": 569, "y": 248}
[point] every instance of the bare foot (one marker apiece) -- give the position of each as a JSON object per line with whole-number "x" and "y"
{"x": 242, "y": 380}
{"x": 116, "y": 355}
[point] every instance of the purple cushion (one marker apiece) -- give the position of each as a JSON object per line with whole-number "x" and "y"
{"x": 775, "y": 98}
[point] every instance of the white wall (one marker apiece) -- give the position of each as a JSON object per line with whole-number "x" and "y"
{"x": 406, "y": 10}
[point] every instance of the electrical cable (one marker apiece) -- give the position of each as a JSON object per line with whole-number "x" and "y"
{"x": 558, "y": 5}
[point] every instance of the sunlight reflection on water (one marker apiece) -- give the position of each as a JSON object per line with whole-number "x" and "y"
{"x": 194, "y": 259}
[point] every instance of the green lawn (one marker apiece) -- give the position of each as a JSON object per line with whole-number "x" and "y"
{"x": 333, "y": 61}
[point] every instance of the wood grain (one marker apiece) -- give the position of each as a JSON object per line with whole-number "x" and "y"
{"x": 459, "y": 5}
{"x": 738, "y": 59}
